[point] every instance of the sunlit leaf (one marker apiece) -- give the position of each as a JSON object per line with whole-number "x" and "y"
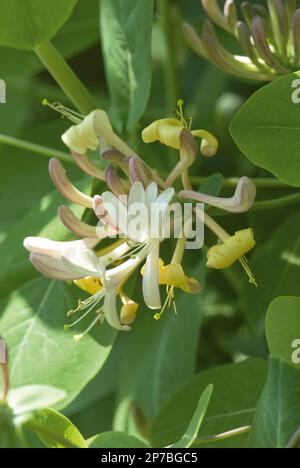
{"x": 26, "y": 23}
{"x": 55, "y": 430}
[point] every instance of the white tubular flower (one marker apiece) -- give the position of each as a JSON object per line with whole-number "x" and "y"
{"x": 47, "y": 257}
{"x": 85, "y": 135}
{"x": 113, "y": 280}
{"x": 146, "y": 239}
{"x": 76, "y": 260}
{"x": 241, "y": 202}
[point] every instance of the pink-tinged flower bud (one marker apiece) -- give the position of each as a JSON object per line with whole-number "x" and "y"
{"x": 138, "y": 172}
{"x": 113, "y": 181}
{"x": 113, "y": 155}
{"x": 193, "y": 39}
{"x": 215, "y": 12}
{"x": 241, "y": 202}
{"x": 65, "y": 187}
{"x": 230, "y": 14}
{"x": 261, "y": 42}
{"x": 280, "y": 26}
{"x": 74, "y": 225}
{"x": 85, "y": 164}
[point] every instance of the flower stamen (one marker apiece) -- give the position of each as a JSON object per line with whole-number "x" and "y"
{"x": 65, "y": 112}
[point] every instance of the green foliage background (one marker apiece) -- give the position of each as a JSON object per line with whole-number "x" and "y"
{"x": 142, "y": 388}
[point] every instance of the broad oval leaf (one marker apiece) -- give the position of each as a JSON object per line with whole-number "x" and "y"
{"x": 237, "y": 388}
{"x": 116, "y": 440}
{"x": 55, "y": 430}
{"x": 126, "y": 29}
{"x": 276, "y": 265}
{"x": 40, "y": 351}
{"x": 283, "y": 329}
{"x": 24, "y": 24}
{"x": 24, "y": 400}
{"x": 267, "y": 129}
{"x": 277, "y": 416}
{"x": 42, "y": 220}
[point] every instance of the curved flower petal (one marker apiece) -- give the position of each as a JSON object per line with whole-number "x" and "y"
{"x": 53, "y": 268}
{"x": 166, "y": 131}
{"x": 165, "y": 197}
{"x": 116, "y": 210}
{"x": 151, "y": 194}
{"x": 136, "y": 194}
{"x": 151, "y": 280}
{"x": 41, "y": 245}
{"x": 111, "y": 312}
{"x": 82, "y": 260}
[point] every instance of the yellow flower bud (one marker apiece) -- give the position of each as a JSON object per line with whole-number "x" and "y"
{"x": 166, "y": 131}
{"x": 89, "y": 285}
{"x": 235, "y": 247}
{"x": 128, "y": 313}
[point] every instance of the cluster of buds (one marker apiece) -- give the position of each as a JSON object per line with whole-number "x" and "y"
{"x": 103, "y": 272}
{"x": 269, "y": 38}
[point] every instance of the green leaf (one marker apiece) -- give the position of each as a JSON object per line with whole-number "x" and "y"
{"x": 283, "y": 329}
{"x": 192, "y": 431}
{"x": 126, "y": 39}
{"x": 41, "y": 352}
{"x": 276, "y": 265}
{"x": 24, "y": 24}
{"x": 8, "y": 432}
{"x": 55, "y": 430}
{"x": 24, "y": 400}
{"x": 277, "y": 416}
{"x": 164, "y": 349}
{"x": 116, "y": 440}
{"x": 267, "y": 130}
{"x": 237, "y": 388}
{"x": 42, "y": 221}
{"x": 212, "y": 185}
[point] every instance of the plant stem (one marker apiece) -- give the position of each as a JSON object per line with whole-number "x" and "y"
{"x": 295, "y": 440}
{"x": 277, "y": 202}
{"x": 260, "y": 182}
{"x": 6, "y": 384}
{"x": 264, "y": 205}
{"x": 34, "y": 148}
{"x": 225, "y": 435}
{"x": 170, "y": 67}
{"x": 258, "y": 206}
{"x": 65, "y": 77}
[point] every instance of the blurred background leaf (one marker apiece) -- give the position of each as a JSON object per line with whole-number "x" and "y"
{"x": 126, "y": 41}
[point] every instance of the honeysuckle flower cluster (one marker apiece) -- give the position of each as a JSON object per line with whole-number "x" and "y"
{"x": 269, "y": 38}
{"x": 103, "y": 271}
